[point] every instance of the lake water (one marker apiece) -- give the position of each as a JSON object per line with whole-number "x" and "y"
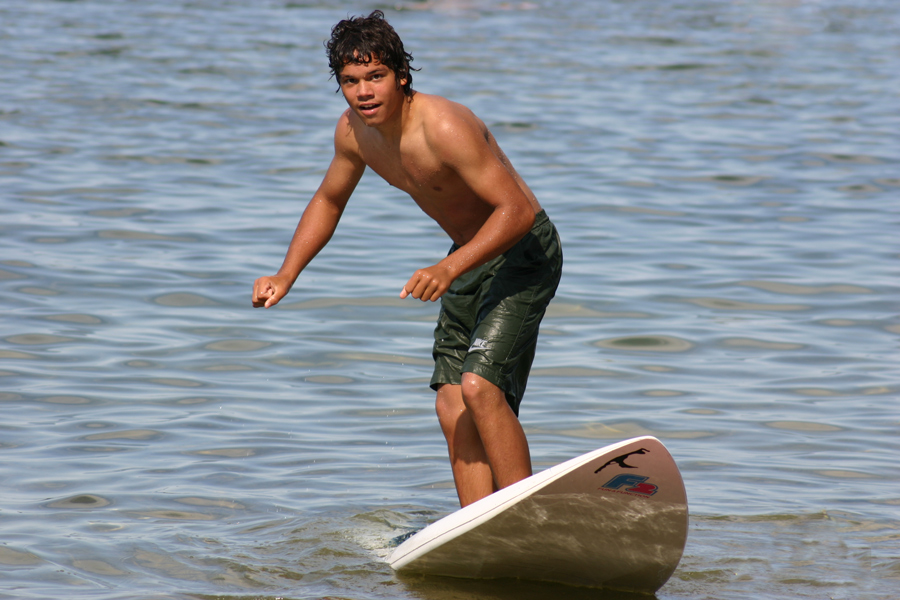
{"x": 725, "y": 176}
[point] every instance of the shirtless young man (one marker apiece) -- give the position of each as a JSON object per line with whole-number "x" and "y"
{"x": 502, "y": 271}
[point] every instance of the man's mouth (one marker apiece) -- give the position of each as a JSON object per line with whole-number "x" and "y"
{"x": 368, "y": 108}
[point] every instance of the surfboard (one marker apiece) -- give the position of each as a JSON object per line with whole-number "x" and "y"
{"x": 616, "y": 517}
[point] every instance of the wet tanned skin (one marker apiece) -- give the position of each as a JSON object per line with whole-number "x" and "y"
{"x": 445, "y": 158}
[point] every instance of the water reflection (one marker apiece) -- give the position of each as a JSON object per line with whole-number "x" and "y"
{"x": 81, "y": 501}
{"x": 647, "y": 343}
{"x": 184, "y": 299}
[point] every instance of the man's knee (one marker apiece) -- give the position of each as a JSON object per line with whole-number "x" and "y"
{"x": 448, "y": 404}
{"x": 479, "y": 394}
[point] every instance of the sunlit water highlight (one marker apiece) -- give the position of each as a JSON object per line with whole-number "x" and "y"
{"x": 725, "y": 179}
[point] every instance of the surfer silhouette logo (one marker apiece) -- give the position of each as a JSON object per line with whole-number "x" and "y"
{"x": 620, "y": 460}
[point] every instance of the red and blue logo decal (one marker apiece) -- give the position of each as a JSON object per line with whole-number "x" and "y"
{"x": 633, "y": 484}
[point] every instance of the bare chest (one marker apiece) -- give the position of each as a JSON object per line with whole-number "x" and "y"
{"x": 410, "y": 167}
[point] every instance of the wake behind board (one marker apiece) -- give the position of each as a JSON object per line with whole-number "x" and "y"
{"x": 616, "y": 517}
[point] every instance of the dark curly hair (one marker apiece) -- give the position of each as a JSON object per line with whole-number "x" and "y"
{"x": 361, "y": 40}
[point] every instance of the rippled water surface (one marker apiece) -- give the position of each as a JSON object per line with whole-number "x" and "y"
{"x": 724, "y": 175}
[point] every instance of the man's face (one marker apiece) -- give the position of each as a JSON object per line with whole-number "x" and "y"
{"x": 372, "y": 91}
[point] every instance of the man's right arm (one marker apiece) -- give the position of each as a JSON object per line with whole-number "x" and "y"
{"x": 319, "y": 220}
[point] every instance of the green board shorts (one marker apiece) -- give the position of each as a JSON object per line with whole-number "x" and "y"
{"x": 490, "y": 316}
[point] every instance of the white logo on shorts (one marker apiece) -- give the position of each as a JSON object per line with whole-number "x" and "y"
{"x": 479, "y": 344}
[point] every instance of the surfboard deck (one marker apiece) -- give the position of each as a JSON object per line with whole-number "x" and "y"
{"x": 616, "y": 517}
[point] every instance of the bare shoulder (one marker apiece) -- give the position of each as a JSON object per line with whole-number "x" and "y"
{"x": 449, "y": 125}
{"x": 345, "y": 140}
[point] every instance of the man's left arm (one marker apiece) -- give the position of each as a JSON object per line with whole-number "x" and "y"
{"x": 462, "y": 147}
